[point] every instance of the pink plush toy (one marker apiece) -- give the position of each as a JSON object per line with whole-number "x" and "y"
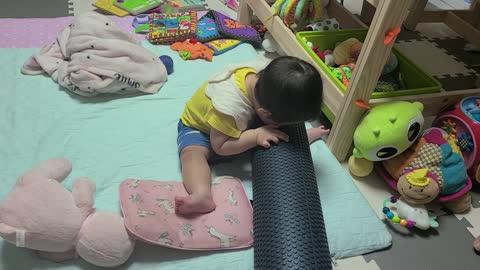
{"x": 40, "y": 214}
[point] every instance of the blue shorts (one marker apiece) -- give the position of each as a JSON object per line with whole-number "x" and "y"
{"x": 189, "y": 136}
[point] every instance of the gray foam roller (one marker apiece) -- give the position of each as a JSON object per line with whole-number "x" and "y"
{"x": 289, "y": 231}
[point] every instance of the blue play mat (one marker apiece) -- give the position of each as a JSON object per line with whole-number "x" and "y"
{"x": 112, "y": 138}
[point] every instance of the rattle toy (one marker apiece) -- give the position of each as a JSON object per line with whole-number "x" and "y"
{"x": 408, "y": 215}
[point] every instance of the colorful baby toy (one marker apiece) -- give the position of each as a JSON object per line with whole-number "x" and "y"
{"x": 191, "y": 49}
{"x": 462, "y": 120}
{"x": 385, "y": 131}
{"x": 167, "y": 29}
{"x": 432, "y": 169}
{"x": 408, "y": 215}
{"x": 297, "y": 14}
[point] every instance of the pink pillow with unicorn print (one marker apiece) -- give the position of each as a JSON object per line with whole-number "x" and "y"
{"x": 149, "y": 212}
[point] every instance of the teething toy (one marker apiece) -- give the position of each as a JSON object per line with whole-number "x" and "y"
{"x": 408, "y": 215}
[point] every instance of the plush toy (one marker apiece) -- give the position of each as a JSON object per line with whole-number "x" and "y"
{"x": 324, "y": 25}
{"x": 329, "y": 59}
{"x": 40, "y": 214}
{"x": 385, "y": 131}
{"x": 432, "y": 169}
{"x": 168, "y": 62}
{"x": 269, "y": 44}
{"x": 391, "y": 65}
{"x": 347, "y": 51}
{"x": 191, "y": 49}
{"x": 343, "y": 72}
{"x": 309, "y": 11}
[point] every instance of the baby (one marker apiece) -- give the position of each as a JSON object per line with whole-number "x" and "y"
{"x": 217, "y": 117}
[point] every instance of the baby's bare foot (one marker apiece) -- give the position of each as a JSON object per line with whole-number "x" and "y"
{"x": 194, "y": 204}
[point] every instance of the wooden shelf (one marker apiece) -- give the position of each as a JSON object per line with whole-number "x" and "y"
{"x": 388, "y": 14}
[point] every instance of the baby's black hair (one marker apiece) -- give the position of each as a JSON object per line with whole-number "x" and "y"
{"x": 290, "y": 89}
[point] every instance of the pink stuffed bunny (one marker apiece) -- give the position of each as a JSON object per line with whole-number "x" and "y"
{"x": 41, "y": 214}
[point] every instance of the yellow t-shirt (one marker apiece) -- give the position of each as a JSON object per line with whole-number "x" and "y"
{"x": 199, "y": 112}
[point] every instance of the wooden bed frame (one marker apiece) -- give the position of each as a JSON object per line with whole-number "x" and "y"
{"x": 388, "y": 14}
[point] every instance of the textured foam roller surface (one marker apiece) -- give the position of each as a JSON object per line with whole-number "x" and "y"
{"x": 289, "y": 231}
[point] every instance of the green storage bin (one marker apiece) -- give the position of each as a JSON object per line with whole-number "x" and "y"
{"x": 416, "y": 80}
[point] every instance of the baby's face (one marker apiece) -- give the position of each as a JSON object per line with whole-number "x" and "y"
{"x": 265, "y": 117}
{"x": 267, "y": 120}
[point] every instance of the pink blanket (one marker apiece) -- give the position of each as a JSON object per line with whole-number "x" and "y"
{"x": 149, "y": 212}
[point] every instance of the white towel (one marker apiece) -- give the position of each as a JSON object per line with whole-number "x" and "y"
{"x": 93, "y": 56}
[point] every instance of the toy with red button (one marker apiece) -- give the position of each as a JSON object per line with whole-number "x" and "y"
{"x": 462, "y": 120}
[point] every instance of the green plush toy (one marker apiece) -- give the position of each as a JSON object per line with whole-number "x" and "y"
{"x": 385, "y": 131}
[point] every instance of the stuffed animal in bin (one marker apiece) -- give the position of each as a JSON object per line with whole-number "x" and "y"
{"x": 40, "y": 214}
{"x": 348, "y": 51}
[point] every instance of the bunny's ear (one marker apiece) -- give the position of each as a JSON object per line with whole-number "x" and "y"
{"x": 13, "y": 235}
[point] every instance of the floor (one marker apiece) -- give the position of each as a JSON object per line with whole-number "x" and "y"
{"x": 437, "y": 50}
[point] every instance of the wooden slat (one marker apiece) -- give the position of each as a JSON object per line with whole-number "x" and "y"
{"x": 466, "y": 15}
{"x": 416, "y": 13}
{"x": 367, "y": 13}
{"x": 346, "y": 18}
{"x": 463, "y": 28}
{"x": 433, "y": 16}
{"x": 245, "y": 13}
{"x": 441, "y": 15}
{"x": 375, "y": 3}
{"x": 389, "y": 14}
{"x": 435, "y": 102}
{"x": 475, "y": 8}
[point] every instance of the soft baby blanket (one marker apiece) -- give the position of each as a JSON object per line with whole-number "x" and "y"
{"x": 93, "y": 56}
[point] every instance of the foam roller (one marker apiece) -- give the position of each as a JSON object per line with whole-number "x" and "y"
{"x": 289, "y": 231}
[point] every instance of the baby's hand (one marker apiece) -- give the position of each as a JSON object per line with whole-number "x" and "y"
{"x": 267, "y": 134}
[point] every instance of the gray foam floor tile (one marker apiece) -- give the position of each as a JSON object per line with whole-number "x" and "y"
{"x": 449, "y": 247}
{"x": 33, "y": 8}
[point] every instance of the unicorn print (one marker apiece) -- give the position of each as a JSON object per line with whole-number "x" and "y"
{"x": 166, "y": 205}
{"x": 144, "y": 213}
{"x": 165, "y": 186}
{"x": 231, "y": 198}
{"x": 188, "y": 230}
{"x": 225, "y": 240}
{"x": 164, "y": 239}
{"x": 135, "y": 198}
{"x": 231, "y": 219}
{"x": 134, "y": 184}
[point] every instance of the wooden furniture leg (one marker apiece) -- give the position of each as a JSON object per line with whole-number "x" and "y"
{"x": 367, "y": 13}
{"x": 475, "y": 8}
{"x": 415, "y": 14}
{"x": 245, "y": 13}
{"x": 389, "y": 14}
{"x": 463, "y": 28}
